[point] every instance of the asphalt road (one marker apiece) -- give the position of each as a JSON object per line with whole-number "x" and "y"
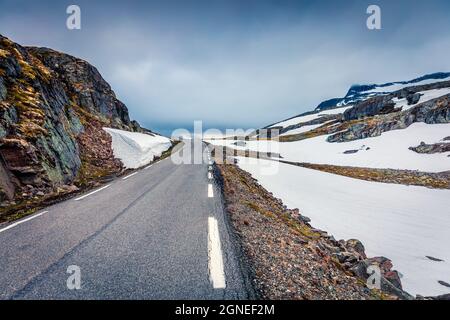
{"x": 149, "y": 235}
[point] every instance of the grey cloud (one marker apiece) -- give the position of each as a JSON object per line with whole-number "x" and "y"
{"x": 241, "y": 65}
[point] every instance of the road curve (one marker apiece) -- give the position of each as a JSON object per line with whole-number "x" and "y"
{"x": 159, "y": 233}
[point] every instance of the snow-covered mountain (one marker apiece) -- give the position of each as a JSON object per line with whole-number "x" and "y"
{"x": 135, "y": 149}
{"x": 374, "y": 166}
{"x": 358, "y": 92}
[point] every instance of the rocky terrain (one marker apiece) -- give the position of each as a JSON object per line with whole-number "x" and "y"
{"x": 391, "y": 140}
{"x": 375, "y": 115}
{"x": 288, "y": 258}
{"x": 52, "y": 110}
{"x": 432, "y": 148}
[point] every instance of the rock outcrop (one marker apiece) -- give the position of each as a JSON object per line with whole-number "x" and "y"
{"x": 371, "y": 107}
{"x": 358, "y": 93}
{"x": 431, "y": 148}
{"x": 52, "y": 109}
{"x": 369, "y": 119}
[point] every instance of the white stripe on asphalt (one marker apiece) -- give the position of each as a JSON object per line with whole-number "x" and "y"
{"x": 129, "y": 176}
{"x": 210, "y": 191}
{"x": 215, "y": 259}
{"x": 209, "y": 175}
{"x": 148, "y": 166}
{"x": 22, "y": 221}
{"x": 91, "y": 193}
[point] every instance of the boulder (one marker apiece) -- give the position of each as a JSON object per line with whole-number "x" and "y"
{"x": 389, "y": 280}
{"x": 431, "y": 148}
{"x": 384, "y": 263}
{"x": 356, "y": 246}
{"x": 388, "y": 287}
{"x": 394, "y": 278}
{"x": 348, "y": 257}
{"x": 304, "y": 219}
{"x": 413, "y": 98}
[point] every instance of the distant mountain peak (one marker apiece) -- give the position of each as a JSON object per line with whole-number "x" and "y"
{"x": 360, "y": 92}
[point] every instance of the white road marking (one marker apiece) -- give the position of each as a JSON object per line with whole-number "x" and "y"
{"x": 148, "y": 166}
{"x": 91, "y": 193}
{"x": 22, "y": 221}
{"x": 129, "y": 176}
{"x": 210, "y": 191}
{"x": 215, "y": 259}
{"x": 209, "y": 175}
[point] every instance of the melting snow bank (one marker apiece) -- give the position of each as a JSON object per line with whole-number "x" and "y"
{"x": 403, "y": 223}
{"x": 137, "y": 149}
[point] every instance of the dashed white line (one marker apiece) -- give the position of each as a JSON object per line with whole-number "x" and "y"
{"x": 91, "y": 193}
{"x": 22, "y": 221}
{"x": 210, "y": 191}
{"x": 215, "y": 259}
{"x": 129, "y": 176}
{"x": 148, "y": 166}
{"x": 209, "y": 175}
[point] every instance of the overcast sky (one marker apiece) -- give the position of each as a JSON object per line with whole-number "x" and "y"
{"x": 240, "y": 63}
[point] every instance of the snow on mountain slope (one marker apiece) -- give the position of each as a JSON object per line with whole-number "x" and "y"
{"x": 137, "y": 149}
{"x": 309, "y": 117}
{"x": 302, "y": 129}
{"x": 403, "y": 223}
{"x": 390, "y": 150}
{"x": 398, "y": 86}
{"x": 425, "y": 96}
{"x": 362, "y": 92}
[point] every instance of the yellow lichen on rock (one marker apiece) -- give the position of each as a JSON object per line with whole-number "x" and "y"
{"x": 4, "y": 53}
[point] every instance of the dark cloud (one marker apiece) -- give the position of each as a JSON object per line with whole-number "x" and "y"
{"x": 237, "y": 63}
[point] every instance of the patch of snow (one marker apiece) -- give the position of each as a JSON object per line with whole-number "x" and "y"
{"x": 389, "y": 150}
{"x": 310, "y": 117}
{"x": 398, "y": 86}
{"x": 137, "y": 149}
{"x": 403, "y": 223}
{"x": 303, "y": 129}
{"x": 426, "y": 96}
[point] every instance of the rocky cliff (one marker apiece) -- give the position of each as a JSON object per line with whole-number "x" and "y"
{"x": 52, "y": 110}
